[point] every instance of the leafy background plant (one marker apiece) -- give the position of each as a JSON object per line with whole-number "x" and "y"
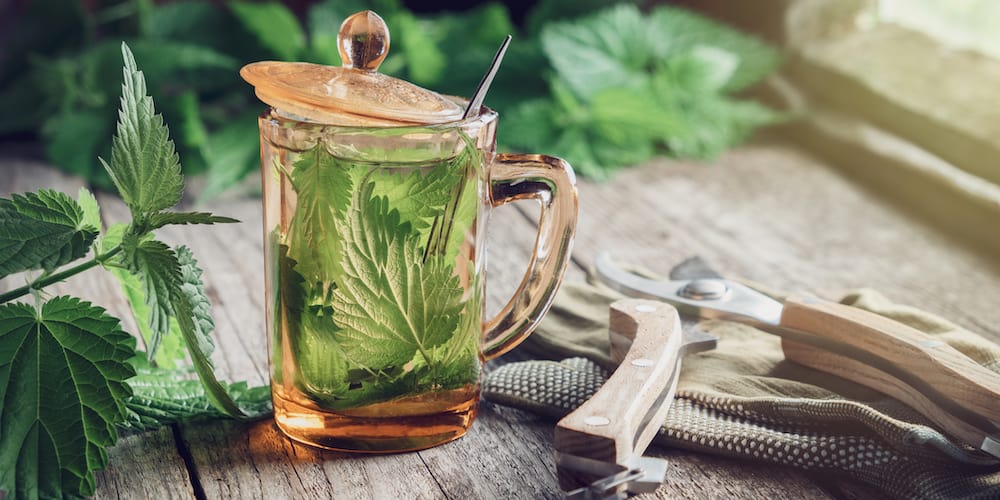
{"x": 604, "y": 87}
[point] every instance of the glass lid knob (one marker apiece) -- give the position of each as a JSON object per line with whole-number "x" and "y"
{"x": 363, "y": 41}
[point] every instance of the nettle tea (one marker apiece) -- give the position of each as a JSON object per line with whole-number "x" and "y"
{"x": 378, "y": 293}
{"x": 376, "y": 197}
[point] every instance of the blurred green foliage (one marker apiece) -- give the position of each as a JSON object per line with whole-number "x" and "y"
{"x": 602, "y": 88}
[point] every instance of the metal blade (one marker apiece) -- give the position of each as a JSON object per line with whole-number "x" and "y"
{"x": 695, "y": 341}
{"x": 991, "y": 444}
{"x": 706, "y": 298}
{"x": 642, "y": 475}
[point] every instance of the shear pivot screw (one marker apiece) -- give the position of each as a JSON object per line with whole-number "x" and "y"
{"x": 704, "y": 289}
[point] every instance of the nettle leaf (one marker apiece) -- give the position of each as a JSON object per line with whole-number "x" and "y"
{"x": 683, "y": 30}
{"x": 610, "y": 49}
{"x": 627, "y": 84}
{"x": 274, "y": 26}
{"x": 627, "y": 116}
{"x": 195, "y": 318}
{"x": 425, "y": 62}
{"x": 464, "y": 213}
{"x": 230, "y": 155}
{"x": 701, "y": 70}
{"x": 717, "y": 124}
{"x": 112, "y": 238}
{"x": 322, "y": 363}
{"x": 193, "y": 290}
{"x": 156, "y": 266}
{"x": 73, "y": 138}
{"x": 42, "y": 230}
{"x": 90, "y": 209}
{"x": 161, "y": 397}
{"x": 618, "y": 127}
{"x": 173, "y": 288}
{"x": 144, "y": 165}
{"x": 420, "y": 195}
{"x": 171, "y": 348}
{"x": 160, "y": 219}
{"x": 323, "y": 186}
{"x": 62, "y": 391}
{"x": 529, "y": 126}
{"x": 387, "y": 307}
{"x": 460, "y": 198}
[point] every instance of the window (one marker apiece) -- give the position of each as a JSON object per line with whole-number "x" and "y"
{"x": 970, "y": 24}
{"x": 889, "y": 94}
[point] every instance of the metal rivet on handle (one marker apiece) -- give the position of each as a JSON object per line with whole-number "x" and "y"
{"x": 596, "y": 421}
{"x": 704, "y": 289}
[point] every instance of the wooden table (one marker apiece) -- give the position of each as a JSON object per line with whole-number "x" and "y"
{"x": 766, "y": 212}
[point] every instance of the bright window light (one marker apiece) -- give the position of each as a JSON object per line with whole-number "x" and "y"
{"x": 968, "y": 24}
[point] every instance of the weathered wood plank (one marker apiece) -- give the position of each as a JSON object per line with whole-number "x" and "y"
{"x": 768, "y": 213}
{"x": 255, "y": 460}
{"x": 232, "y": 256}
{"x": 507, "y": 454}
{"x": 145, "y": 465}
{"x": 775, "y": 215}
{"x": 141, "y": 465}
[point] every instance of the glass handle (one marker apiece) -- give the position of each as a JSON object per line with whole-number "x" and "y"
{"x": 551, "y": 181}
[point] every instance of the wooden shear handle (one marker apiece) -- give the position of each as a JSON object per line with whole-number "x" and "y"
{"x": 944, "y": 385}
{"x": 614, "y": 427}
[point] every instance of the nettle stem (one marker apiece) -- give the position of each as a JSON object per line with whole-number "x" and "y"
{"x": 44, "y": 281}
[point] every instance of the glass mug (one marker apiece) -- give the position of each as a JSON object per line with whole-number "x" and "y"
{"x": 375, "y": 266}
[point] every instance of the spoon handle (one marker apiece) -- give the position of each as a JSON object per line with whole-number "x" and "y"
{"x": 484, "y": 85}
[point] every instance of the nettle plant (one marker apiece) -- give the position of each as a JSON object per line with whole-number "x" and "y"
{"x": 69, "y": 375}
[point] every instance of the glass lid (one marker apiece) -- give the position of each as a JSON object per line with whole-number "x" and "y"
{"x": 355, "y": 94}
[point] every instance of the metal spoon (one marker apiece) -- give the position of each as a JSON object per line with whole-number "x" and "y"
{"x": 440, "y": 231}
{"x": 484, "y": 85}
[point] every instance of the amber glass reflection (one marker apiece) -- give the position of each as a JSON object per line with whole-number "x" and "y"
{"x": 375, "y": 266}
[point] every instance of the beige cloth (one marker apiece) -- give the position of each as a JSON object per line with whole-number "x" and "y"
{"x": 744, "y": 400}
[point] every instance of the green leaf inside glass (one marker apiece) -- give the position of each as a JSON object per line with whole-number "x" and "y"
{"x": 377, "y": 295}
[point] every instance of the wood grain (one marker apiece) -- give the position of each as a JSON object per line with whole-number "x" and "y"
{"x": 767, "y": 212}
{"x": 235, "y": 460}
{"x": 629, "y": 407}
{"x": 247, "y": 462}
{"x": 145, "y": 465}
{"x": 775, "y": 215}
{"x": 864, "y": 374}
{"x": 959, "y": 381}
